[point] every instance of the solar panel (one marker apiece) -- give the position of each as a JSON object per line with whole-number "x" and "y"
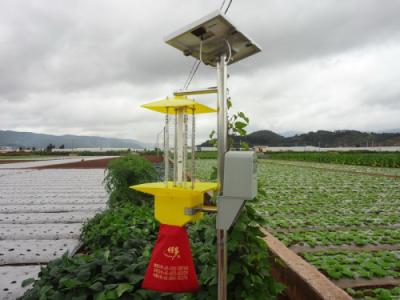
{"x": 215, "y": 35}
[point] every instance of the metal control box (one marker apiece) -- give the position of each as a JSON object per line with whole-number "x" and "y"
{"x": 240, "y": 180}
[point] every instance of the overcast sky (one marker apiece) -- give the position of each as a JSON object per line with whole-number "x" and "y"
{"x": 85, "y": 67}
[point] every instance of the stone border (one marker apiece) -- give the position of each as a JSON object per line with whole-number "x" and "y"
{"x": 303, "y": 281}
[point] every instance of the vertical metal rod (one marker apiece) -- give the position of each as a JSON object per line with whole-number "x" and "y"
{"x": 222, "y": 235}
{"x": 185, "y": 146}
{"x": 222, "y": 130}
{"x": 180, "y": 137}
{"x": 176, "y": 148}
{"x": 193, "y": 147}
{"x": 166, "y": 149}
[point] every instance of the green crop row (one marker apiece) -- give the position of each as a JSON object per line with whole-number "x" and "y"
{"x": 327, "y": 221}
{"x": 379, "y": 294}
{"x": 390, "y": 160}
{"x": 206, "y": 155}
{"x": 337, "y": 238}
{"x": 341, "y": 167}
{"x": 348, "y": 209}
{"x": 356, "y": 264}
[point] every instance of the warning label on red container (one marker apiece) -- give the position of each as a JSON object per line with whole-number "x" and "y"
{"x": 171, "y": 273}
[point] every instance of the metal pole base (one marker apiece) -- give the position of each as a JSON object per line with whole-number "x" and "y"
{"x": 222, "y": 265}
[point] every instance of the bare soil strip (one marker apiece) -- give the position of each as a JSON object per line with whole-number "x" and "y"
{"x": 367, "y": 283}
{"x": 153, "y": 158}
{"x": 93, "y": 163}
{"x": 83, "y": 164}
{"x": 338, "y": 170}
{"x": 308, "y": 249}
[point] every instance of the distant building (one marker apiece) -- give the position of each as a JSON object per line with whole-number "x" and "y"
{"x": 6, "y": 149}
{"x": 261, "y": 149}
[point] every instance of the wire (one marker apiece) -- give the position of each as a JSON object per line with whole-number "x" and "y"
{"x": 201, "y": 50}
{"x": 190, "y": 74}
{"x": 197, "y": 64}
{"x": 222, "y": 5}
{"x": 230, "y": 50}
{"x": 229, "y": 5}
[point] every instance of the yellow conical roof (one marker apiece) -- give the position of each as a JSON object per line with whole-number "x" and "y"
{"x": 171, "y": 104}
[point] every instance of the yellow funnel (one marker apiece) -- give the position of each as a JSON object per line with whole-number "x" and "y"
{"x": 170, "y": 201}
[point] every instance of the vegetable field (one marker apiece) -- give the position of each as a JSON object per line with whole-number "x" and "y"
{"x": 344, "y": 222}
{"x": 375, "y": 159}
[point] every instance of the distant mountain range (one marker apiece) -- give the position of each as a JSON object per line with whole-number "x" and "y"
{"x": 320, "y": 138}
{"x": 39, "y": 141}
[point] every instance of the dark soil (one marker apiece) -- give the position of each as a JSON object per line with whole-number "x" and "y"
{"x": 154, "y": 158}
{"x": 83, "y": 164}
{"x": 94, "y": 164}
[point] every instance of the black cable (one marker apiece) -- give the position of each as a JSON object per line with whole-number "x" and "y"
{"x": 222, "y": 5}
{"x": 194, "y": 73}
{"x": 190, "y": 73}
{"x": 229, "y": 5}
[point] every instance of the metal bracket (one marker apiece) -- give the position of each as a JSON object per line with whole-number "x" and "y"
{"x": 228, "y": 211}
{"x": 190, "y": 211}
{"x": 210, "y": 90}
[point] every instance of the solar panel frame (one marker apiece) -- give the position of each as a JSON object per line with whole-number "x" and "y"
{"x": 214, "y": 32}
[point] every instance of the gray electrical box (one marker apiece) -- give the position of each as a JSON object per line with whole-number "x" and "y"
{"x": 240, "y": 184}
{"x": 240, "y": 175}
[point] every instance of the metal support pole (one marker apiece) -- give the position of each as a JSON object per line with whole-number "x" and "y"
{"x": 222, "y": 129}
{"x": 222, "y": 235}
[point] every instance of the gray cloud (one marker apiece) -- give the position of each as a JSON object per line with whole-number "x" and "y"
{"x": 85, "y": 66}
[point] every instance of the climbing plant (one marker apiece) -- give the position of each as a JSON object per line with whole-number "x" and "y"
{"x": 237, "y": 124}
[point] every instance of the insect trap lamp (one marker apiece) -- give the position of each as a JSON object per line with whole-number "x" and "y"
{"x": 216, "y": 42}
{"x": 171, "y": 267}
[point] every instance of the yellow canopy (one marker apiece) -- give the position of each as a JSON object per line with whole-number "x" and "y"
{"x": 159, "y": 188}
{"x": 171, "y": 104}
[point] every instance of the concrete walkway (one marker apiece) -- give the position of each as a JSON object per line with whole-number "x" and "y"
{"x": 41, "y": 215}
